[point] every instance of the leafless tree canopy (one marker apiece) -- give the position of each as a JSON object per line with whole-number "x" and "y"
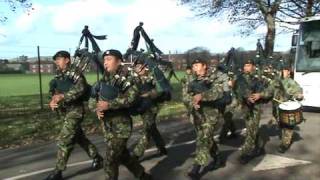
{"x": 250, "y": 14}
{"x": 13, "y": 5}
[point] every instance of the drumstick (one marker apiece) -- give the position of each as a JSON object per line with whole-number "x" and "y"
{"x": 278, "y": 101}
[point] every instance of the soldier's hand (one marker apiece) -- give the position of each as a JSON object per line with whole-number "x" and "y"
{"x": 250, "y": 100}
{"x": 231, "y": 83}
{"x": 255, "y": 97}
{"x": 196, "y": 106}
{"x": 53, "y": 105}
{"x": 58, "y": 97}
{"x": 144, "y": 95}
{"x": 100, "y": 115}
{"x": 197, "y": 98}
{"x": 299, "y": 97}
{"x": 102, "y": 105}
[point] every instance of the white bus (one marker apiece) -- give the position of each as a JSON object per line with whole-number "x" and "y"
{"x": 307, "y": 59}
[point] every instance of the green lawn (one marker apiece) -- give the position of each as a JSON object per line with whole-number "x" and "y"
{"x": 28, "y": 84}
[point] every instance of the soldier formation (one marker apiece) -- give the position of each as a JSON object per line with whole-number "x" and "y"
{"x": 209, "y": 93}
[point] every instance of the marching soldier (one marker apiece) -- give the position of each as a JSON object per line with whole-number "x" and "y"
{"x": 251, "y": 92}
{"x": 67, "y": 98}
{"x": 150, "y": 91}
{"x": 203, "y": 91}
{"x": 227, "y": 104}
{"x": 288, "y": 89}
{"x": 116, "y": 94}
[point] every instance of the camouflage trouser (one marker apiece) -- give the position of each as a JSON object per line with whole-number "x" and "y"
{"x": 205, "y": 121}
{"x": 116, "y": 154}
{"x": 149, "y": 131}
{"x": 286, "y": 136}
{"x": 70, "y": 134}
{"x": 275, "y": 110}
{"x": 253, "y": 139}
{"x": 116, "y": 136}
{"x": 228, "y": 124}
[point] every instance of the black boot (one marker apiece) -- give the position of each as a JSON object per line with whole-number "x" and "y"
{"x": 97, "y": 163}
{"x": 194, "y": 173}
{"x": 282, "y": 148}
{"x": 233, "y": 135}
{"x": 216, "y": 163}
{"x": 55, "y": 175}
{"x": 145, "y": 176}
{"x": 259, "y": 152}
{"x": 244, "y": 159}
{"x": 162, "y": 151}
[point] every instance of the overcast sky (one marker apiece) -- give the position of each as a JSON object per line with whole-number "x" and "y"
{"x": 56, "y": 25}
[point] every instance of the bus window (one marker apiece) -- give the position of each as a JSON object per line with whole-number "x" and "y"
{"x": 313, "y": 49}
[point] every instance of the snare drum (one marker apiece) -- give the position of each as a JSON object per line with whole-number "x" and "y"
{"x": 290, "y": 113}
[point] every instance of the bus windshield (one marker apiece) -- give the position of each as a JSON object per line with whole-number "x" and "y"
{"x": 309, "y": 48}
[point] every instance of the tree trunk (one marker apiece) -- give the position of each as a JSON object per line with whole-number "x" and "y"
{"x": 270, "y": 36}
{"x": 309, "y": 8}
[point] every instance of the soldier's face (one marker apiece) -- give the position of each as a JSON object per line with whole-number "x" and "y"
{"x": 62, "y": 63}
{"x": 189, "y": 71}
{"x": 248, "y": 68}
{"x": 200, "y": 69}
{"x": 140, "y": 69}
{"x": 215, "y": 62}
{"x": 286, "y": 73}
{"x": 111, "y": 63}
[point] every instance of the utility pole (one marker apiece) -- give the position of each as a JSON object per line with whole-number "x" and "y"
{"x": 40, "y": 81}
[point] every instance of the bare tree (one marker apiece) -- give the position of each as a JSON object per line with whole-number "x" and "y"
{"x": 250, "y": 14}
{"x": 13, "y": 5}
{"x": 297, "y": 9}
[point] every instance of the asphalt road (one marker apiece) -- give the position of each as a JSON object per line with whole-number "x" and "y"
{"x": 301, "y": 162}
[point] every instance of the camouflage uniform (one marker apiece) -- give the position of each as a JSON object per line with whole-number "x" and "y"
{"x": 73, "y": 110}
{"x": 288, "y": 89}
{"x": 245, "y": 85}
{"x": 205, "y": 119}
{"x": 185, "y": 97}
{"x": 227, "y": 108}
{"x": 147, "y": 85}
{"x": 119, "y": 91}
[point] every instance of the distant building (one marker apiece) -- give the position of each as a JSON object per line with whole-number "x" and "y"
{"x": 15, "y": 66}
{"x": 45, "y": 67}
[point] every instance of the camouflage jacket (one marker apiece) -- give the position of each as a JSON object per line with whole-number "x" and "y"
{"x": 73, "y": 92}
{"x": 185, "y": 88}
{"x": 214, "y": 89}
{"x": 126, "y": 92}
{"x": 147, "y": 85}
{"x": 117, "y": 122}
{"x": 249, "y": 83}
{"x": 286, "y": 89}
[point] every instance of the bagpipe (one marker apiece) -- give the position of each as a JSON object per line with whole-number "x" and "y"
{"x": 152, "y": 59}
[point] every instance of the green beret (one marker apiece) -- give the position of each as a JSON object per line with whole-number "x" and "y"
{"x": 113, "y": 52}
{"x": 199, "y": 60}
{"x": 64, "y": 54}
{"x": 249, "y": 61}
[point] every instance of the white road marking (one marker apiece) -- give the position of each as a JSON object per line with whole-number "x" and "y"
{"x": 86, "y": 162}
{"x": 89, "y": 161}
{"x": 270, "y": 162}
{"x": 45, "y": 170}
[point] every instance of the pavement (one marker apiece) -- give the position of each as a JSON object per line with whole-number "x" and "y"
{"x": 300, "y": 162}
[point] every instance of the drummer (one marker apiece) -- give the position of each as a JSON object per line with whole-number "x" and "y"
{"x": 289, "y": 90}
